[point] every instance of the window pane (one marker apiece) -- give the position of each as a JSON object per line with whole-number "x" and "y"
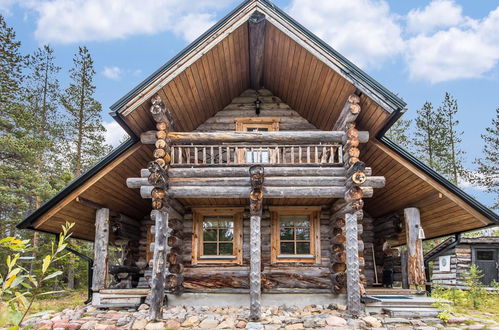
{"x": 210, "y": 222}
{"x": 226, "y": 249}
{"x": 226, "y": 222}
{"x": 302, "y": 221}
{"x": 485, "y": 255}
{"x": 287, "y": 221}
{"x": 210, "y": 249}
{"x": 303, "y": 248}
{"x": 287, "y": 248}
{"x": 226, "y": 235}
{"x": 303, "y": 234}
{"x": 210, "y": 235}
{"x": 287, "y": 234}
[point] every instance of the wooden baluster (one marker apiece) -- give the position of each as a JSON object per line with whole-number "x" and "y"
{"x": 340, "y": 154}
{"x": 316, "y": 154}
{"x": 196, "y": 155}
{"x": 308, "y": 154}
{"x": 180, "y": 150}
{"x": 228, "y": 155}
{"x": 212, "y": 155}
{"x": 204, "y": 155}
{"x": 173, "y": 155}
{"x": 188, "y": 155}
{"x": 278, "y": 155}
{"x": 299, "y": 154}
{"x": 220, "y": 160}
{"x": 292, "y": 155}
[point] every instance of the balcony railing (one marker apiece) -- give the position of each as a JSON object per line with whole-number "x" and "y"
{"x": 233, "y": 155}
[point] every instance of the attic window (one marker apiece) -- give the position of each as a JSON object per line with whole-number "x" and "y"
{"x": 257, "y": 124}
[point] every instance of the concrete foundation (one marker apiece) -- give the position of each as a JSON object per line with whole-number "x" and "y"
{"x": 268, "y": 299}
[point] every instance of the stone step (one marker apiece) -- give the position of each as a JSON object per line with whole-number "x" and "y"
{"x": 116, "y": 306}
{"x": 411, "y": 312}
{"x": 125, "y": 291}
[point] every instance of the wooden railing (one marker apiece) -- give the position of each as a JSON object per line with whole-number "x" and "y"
{"x": 213, "y": 155}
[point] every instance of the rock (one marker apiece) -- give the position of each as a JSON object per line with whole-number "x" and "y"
{"x": 143, "y": 307}
{"x": 88, "y": 325}
{"x": 172, "y": 324}
{"x": 46, "y": 324}
{"x": 336, "y": 321}
{"x": 372, "y": 321}
{"x": 341, "y": 307}
{"x": 227, "y": 324}
{"x": 356, "y": 324}
{"x": 309, "y": 323}
{"x": 139, "y": 324}
{"x": 294, "y": 326}
{"x": 208, "y": 324}
{"x": 74, "y": 326}
{"x": 254, "y": 325}
{"x": 155, "y": 326}
{"x": 455, "y": 319}
{"x": 191, "y": 321}
{"x": 241, "y": 324}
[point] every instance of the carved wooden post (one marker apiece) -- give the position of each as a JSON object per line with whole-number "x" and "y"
{"x": 256, "y": 200}
{"x": 101, "y": 243}
{"x": 157, "y": 294}
{"x": 352, "y": 255}
{"x": 348, "y": 212}
{"x": 159, "y": 178}
{"x": 415, "y": 264}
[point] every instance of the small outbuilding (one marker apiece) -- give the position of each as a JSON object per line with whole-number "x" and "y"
{"x": 453, "y": 258}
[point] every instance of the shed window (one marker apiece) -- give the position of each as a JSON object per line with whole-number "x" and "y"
{"x": 484, "y": 255}
{"x": 217, "y": 235}
{"x": 295, "y": 234}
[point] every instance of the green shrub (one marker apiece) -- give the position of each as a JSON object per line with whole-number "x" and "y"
{"x": 477, "y": 295}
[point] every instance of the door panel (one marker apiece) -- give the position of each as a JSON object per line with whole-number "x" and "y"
{"x": 487, "y": 260}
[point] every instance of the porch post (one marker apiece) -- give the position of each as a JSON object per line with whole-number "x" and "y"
{"x": 352, "y": 258}
{"x": 415, "y": 263}
{"x": 256, "y": 198}
{"x": 157, "y": 294}
{"x": 101, "y": 243}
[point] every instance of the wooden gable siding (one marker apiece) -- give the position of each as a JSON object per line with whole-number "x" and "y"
{"x": 309, "y": 86}
{"x": 205, "y": 87}
{"x": 107, "y": 188}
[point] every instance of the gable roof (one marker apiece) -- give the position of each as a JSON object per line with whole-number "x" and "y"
{"x": 212, "y": 70}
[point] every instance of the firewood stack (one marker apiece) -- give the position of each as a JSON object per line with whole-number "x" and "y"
{"x": 352, "y": 202}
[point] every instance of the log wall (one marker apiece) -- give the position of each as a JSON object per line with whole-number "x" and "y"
{"x": 460, "y": 263}
{"x": 386, "y": 230}
{"x": 280, "y": 277}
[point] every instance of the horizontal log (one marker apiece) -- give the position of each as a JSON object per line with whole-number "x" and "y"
{"x": 228, "y": 171}
{"x": 328, "y": 181}
{"x": 243, "y": 192}
{"x": 284, "y": 137}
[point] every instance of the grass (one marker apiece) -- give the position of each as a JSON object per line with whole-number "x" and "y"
{"x": 59, "y": 302}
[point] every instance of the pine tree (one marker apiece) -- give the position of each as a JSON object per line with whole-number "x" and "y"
{"x": 452, "y": 155}
{"x": 15, "y": 142}
{"x": 84, "y": 128}
{"x": 399, "y": 133}
{"x": 488, "y": 165}
{"x": 428, "y": 136}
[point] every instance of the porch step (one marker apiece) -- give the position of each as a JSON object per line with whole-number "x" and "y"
{"x": 120, "y": 298}
{"x": 411, "y": 312}
{"x": 402, "y": 304}
{"x": 117, "y": 306}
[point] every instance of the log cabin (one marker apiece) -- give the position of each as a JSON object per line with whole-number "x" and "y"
{"x": 257, "y": 171}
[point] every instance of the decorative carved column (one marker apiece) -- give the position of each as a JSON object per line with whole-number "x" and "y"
{"x": 256, "y": 201}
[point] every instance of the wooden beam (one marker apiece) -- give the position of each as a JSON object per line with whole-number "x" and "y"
{"x": 415, "y": 264}
{"x": 157, "y": 295}
{"x": 242, "y": 192}
{"x": 101, "y": 243}
{"x": 228, "y": 171}
{"x": 352, "y": 262}
{"x": 256, "y": 40}
{"x": 279, "y": 181}
{"x": 284, "y": 137}
{"x": 256, "y": 202}
{"x": 349, "y": 113}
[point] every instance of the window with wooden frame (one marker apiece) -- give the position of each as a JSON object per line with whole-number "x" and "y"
{"x": 217, "y": 235}
{"x": 295, "y": 234}
{"x": 256, "y": 124}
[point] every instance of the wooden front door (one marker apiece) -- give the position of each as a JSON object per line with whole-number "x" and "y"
{"x": 487, "y": 260}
